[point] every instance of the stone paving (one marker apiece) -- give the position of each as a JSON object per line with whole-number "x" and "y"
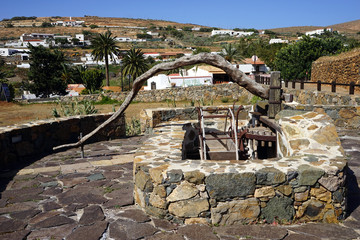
{"x": 63, "y": 196}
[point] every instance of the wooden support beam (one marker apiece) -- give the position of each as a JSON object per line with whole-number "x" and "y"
{"x": 274, "y": 95}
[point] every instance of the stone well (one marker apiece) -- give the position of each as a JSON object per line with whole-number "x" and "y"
{"x": 305, "y": 183}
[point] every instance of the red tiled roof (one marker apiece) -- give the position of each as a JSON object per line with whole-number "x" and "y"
{"x": 174, "y": 74}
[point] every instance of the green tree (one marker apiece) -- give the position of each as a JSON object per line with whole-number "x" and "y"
{"x": 200, "y": 50}
{"x": 92, "y": 79}
{"x": 134, "y": 64}
{"x": 294, "y": 61}
{"x": 104, "y": 45}
{"x": 231, "y": 53}
{"x": 45, "y": 72}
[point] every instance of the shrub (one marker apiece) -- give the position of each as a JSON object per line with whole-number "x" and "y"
{"x": 224, "y": 99}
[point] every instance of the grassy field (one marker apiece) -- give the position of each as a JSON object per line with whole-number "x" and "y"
{"x": 14, "y": 113}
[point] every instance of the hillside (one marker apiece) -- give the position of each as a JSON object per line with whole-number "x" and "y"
{"x": 353, "y": 26}
{"x": 117, "y": 26}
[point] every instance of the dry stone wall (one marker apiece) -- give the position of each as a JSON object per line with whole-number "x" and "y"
{"x": 20, "y": 143}
{"x": 344, "y": 68}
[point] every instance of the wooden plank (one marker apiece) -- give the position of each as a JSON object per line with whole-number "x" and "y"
{"x": 271, "y": 123}
{"x": 274, "y": 95}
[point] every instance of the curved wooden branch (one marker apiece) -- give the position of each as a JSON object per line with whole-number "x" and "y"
{"x": 215, "y": 60}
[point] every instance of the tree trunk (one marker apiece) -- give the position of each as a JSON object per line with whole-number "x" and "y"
{"x": 107, "y": 70}
{"x": 215, "y": 60}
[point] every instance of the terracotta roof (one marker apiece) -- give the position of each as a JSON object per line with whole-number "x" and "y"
{"x": 212, "y": 69}
{"x": 174, "y": 74}
{"x": 250, "y": 61}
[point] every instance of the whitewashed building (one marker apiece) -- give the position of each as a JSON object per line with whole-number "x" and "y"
{"x": 278, "y": 40}
{"x": 318, "y": 31}
{"x": 231, "y": 33}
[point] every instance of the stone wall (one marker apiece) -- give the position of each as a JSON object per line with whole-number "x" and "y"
{"x": 229, "y": 90}
{"x": 344, "y": 68}
{"x": 307, "y": 184}
{"x": 19, "y": 143}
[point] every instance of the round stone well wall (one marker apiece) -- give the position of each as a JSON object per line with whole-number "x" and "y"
{"x": 306, "y": 183}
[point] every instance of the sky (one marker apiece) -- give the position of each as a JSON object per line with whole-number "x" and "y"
{"x": 226, "y": 14}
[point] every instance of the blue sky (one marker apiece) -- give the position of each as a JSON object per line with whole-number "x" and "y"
{"x": 259, "y": 14}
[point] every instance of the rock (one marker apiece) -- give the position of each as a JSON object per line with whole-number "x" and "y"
{"x": 321, "y": 194}
{"x": 299, "y": 144}
{"x": 91, "y": 215}
{"x": 157, "y": 201}
{"x": 165, "y": 236}
{"x": 81, "y": 195}
{"x": 95, "y": 177}
{"x": 135, "y": 215}
{"x": 229, "y": 185}
{"x": 195, "y": 177}
{"x": 269, "y": 176}
{"x": 196, "y": 221}
{"x": 48, "y": 206}
{"x": 284, "y": 189}
{"x": 331, "y": 183}
{"x": 309, "y": 175}
{"x": 23, "y": 215}
{"x": 326, "y": 231}
{"x": 197, "y": 232}
{"x": 238, "y": 211}
{"x": 56, "y": 233}
{"x": 280, "y": 208}
{"x": 327, "y": 135}
{"x": 311, "y": 210}
{"x": 21, "y": 234}
{"x": 54, "y": 221}
{"x": 174, "y": 176}
{"x": 154, "y": 211}
{"x": 163, "y": 224}
{"x": 143, "y": 181}
{"x": 156, "y": 174}
{"x": 252, "y": 231}
{"x": 189, "y": 208}
{"x": 264, "y": 192}
{"x": 302, "y": 196}
{"x": 9, "y": 225}
{"x": 92, "y": 232}
{"x": 122, "y": 229}
{"x": 160, "y": 190}
{"x": 184, "y": 191}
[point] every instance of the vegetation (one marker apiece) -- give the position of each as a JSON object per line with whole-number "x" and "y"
{"x": 92, "y": 79}
{"x": 294, "y": 61}
{"x": 46, "y": 24}
{"x": 231, "y": 53}
{"x": 45, "y": 72}
{"x": 133, "y": 127}
{"x": 134, "y": 64}
{"x": 74, "y": 108}
{"x": 104, "y": 45}
{"x": 200, "y": 50}
{"x": 19, "y": 18}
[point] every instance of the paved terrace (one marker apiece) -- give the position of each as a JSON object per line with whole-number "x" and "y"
{"x": 62, "y": 196}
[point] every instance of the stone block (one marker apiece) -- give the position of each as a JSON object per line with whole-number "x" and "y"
{"x": 278, "y": 208}
{"x": 183, "y": 191}
{"x": 189, "y": 208}
{"x": 309, "y": 175}
{"x": 238, "y": 211}
{"x": 229, "y": 185}
{"x": 269, "y": 176}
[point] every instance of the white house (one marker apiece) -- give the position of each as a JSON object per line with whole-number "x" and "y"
{"x": 278, "y": 40}
{"x": 5, "y": 52}
{"x": 186, "y": 78}
{"x": 318, "y": 31}
{"x": 153, "y": 33}
{"x": 231, "y": 33}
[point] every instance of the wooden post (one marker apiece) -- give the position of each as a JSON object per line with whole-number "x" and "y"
{"x": 286, "y": 83}
{"x": 352, "y": 88}
{"x": 274, "y": 95}
{"x": 319, "y": 86}
{"x": 302, "y": 84}
{"x": 333, "y": 86}
{"x": 293, "y": 84}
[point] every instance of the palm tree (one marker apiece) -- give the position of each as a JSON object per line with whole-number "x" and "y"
{"x": 104, "y": 46}
{"x": 231, "y": 53}
{"x": 134, "y": 64}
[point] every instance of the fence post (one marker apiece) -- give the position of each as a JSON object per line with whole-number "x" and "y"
{"x": 286, "y": 83}
{"x": 274, "y": 95}
{"x": 319, "y": 86}
{"x": 302, "y": 84}
{"x": 352, "y": 88}
{"x": 333, "y": 86}
{"x": 293, "y": 84}
{"x": 257, "y": 78}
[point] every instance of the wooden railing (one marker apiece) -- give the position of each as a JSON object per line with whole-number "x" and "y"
{"x": 333, "y": 84}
